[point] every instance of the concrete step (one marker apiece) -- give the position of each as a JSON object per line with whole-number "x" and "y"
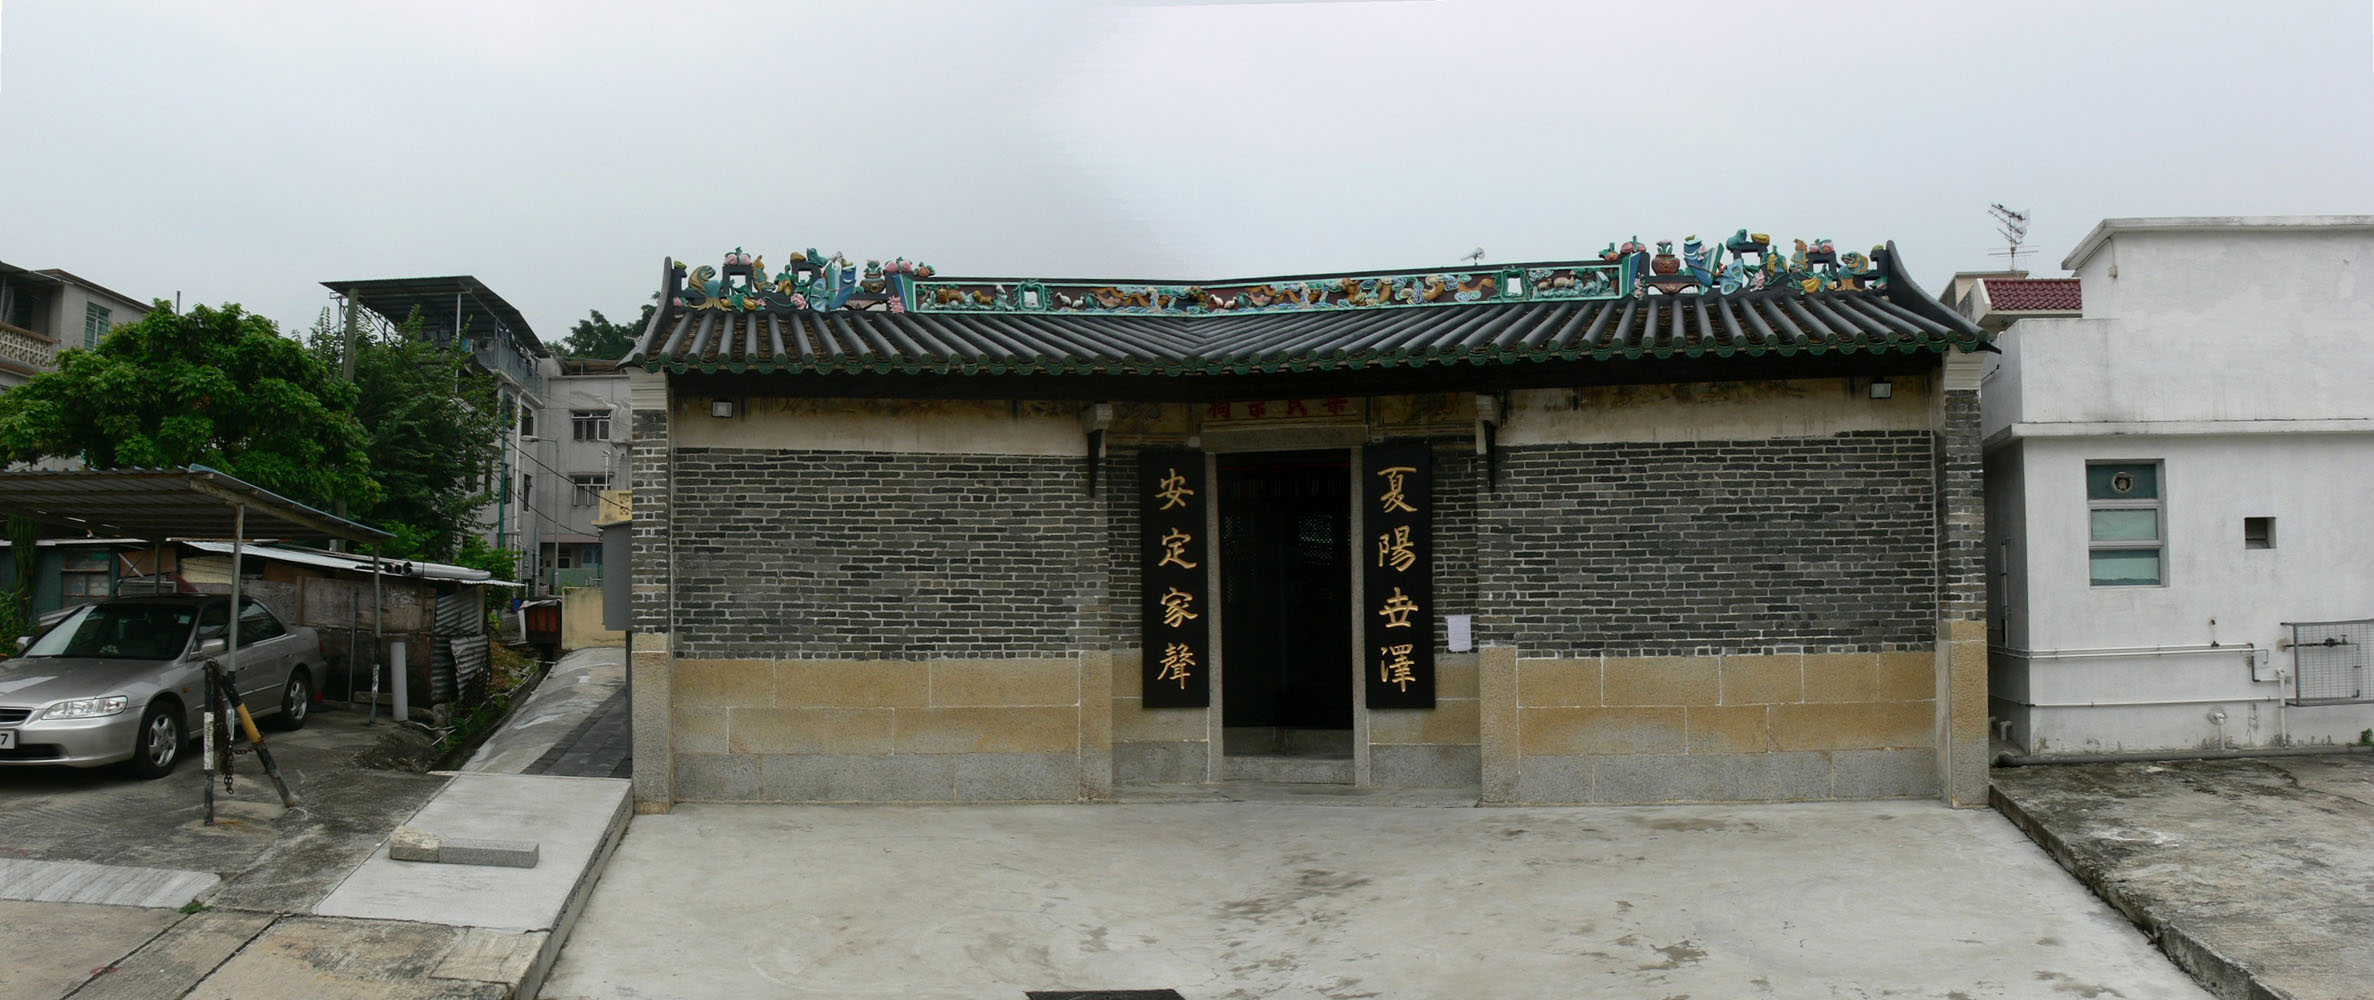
{"x": 1288, "y": 770}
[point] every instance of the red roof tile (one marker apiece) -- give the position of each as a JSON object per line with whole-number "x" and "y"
{"x": 2033, "y": 295}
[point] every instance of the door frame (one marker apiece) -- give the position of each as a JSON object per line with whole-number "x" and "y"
{"x": 1329, "y": 439}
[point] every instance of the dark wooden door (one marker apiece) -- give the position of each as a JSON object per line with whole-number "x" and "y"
{"x": 1286, "y": 593}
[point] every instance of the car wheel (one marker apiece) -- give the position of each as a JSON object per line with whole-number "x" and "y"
{"x": 296, "y": 701}
{"x": 158, "y": 746}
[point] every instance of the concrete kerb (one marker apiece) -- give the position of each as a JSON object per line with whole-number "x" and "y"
{"x": 2223, "y": 974}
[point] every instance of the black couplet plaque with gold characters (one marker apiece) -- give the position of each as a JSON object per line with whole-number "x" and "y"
{"x": 1178, "y": 601}
{"x": 1397, "y": 560}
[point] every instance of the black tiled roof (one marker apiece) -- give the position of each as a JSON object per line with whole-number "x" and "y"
{"x": 1887, "y": 315}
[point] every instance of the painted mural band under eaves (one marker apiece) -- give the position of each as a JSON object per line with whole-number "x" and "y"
{"x": 812, "y": 282}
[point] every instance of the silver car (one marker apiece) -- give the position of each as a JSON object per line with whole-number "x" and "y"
{"x": 121, "y": 681}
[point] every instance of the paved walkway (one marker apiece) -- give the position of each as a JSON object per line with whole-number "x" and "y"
{"x": 573, "y": 724}
{"x": 600, "y": 746}
{"x": 2255, "y": 874}
{"x": 1261, "y": 899}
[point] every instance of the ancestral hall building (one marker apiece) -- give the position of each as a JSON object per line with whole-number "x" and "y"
{"x": 1646, "y": 527}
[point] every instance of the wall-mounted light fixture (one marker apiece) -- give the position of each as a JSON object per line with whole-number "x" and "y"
{"x": 722, "y": 408}
{"x": 1882, "y": 389}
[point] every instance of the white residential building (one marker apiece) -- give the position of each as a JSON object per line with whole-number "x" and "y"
{"x": 2175, "y": 475}
{"x": 45, "y": 311}
{"x": 579, "y": 446}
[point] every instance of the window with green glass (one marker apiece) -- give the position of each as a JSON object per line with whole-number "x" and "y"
{"x": 94, "y": 323}
{"x": 2126, "y": 534}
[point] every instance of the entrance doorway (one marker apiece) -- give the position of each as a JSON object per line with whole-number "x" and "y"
{"x": 1286, "y": 604}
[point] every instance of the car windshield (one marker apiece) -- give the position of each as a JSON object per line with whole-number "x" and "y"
{"x": 119, "y": 631}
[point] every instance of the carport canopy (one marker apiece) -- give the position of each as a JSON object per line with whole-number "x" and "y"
{"x": 157, "y": 504}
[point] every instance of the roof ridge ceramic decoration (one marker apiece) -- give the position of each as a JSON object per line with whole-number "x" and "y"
{"x": 815, "y": 282}
{"x": 1741, "y": 296}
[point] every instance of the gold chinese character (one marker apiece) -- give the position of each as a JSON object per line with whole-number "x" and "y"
{"x": 1176, "y": 607}
{"x": 1174, "y": 491}
{"x": 1176, "y": 659}
{"x": 1393, "y": 500}
{"x": 1397, "y": 609}
{"x": 1394, "y": 547}
{"x": 1394, "y": 663}
{"x": 1174, "y": 549}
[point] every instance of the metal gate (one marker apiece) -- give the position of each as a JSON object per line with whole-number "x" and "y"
{"x": 2329, "y": 661}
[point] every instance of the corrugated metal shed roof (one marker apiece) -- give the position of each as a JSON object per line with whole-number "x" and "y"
{"x": 350, "y": 563}
{"x": 196, "y": 502}
{"x": 446, "y": 303}
{"x": 1887, "y": 315}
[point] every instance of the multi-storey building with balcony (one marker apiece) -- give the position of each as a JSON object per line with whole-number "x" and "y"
{"x": 567, "y": 441}
{"x": 45, "y": 311}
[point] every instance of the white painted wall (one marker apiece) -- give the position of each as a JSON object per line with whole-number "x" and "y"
{"x": 2235, "y": 359}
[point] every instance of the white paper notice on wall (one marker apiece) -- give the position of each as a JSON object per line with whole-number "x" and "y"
{"x": 1462, "y": 628}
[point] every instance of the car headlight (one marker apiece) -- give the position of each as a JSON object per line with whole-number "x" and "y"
{"x": 87, "y": 708}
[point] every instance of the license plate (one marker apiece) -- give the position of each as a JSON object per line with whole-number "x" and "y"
{"x": 7, "y": 739}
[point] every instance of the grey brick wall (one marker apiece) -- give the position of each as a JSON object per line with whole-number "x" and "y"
{"x": 1458, "y": 491}
{"x": 1962, "y": 510}
{"x": 647, "y": 540}
{"x": 860, "y": 555}
{"x": 1695, "y": 548}
{"x": 1117, "y": 487}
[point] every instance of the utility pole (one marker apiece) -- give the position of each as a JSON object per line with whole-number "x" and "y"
{"x": 346, "y": 371}
{"x": 346, "y": 351}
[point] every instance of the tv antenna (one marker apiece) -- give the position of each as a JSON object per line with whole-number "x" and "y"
{"x": 2013, "y": 227}
{"x": 1473, "y": 257}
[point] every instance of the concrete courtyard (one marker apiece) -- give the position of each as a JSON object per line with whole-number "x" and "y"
{"x": 1270, "y": 899}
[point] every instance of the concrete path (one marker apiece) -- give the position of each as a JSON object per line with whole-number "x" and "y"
{"x": 557, "y": 716}
{"x": 1254, "y": 899}
{"x": 2256, "y": 874}
{"x": 96, "y": 869}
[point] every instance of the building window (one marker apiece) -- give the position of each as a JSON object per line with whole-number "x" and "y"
{"x": 564, "y": 556}
{"x": 590, "y": 425}
{"x": 2125, "y": 530}
{"x": 587, "y": 488}
{"x": 526, "y": 489}
{"x": 94, "y": 323}
{"x": 85, "y": 575}
{"x": 2258, "y": 532}
{"x": 591, "y": 557}
{"x": 527, "y": 421}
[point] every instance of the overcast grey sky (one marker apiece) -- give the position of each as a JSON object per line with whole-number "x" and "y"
{"x": 245, "y": 151}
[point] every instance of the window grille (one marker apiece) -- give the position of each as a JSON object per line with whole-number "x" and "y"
{"x": 2329, "y": 661}
{"x": 589, "y": 425}
{"x": 587, "y": 489}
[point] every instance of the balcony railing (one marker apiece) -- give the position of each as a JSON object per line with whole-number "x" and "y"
{"x": 32, "y": 350}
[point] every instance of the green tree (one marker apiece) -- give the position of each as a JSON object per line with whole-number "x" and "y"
{"x": 432, "y": 424}
{"x": 597, "y": 337}
{"x": 217, "y": 387}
